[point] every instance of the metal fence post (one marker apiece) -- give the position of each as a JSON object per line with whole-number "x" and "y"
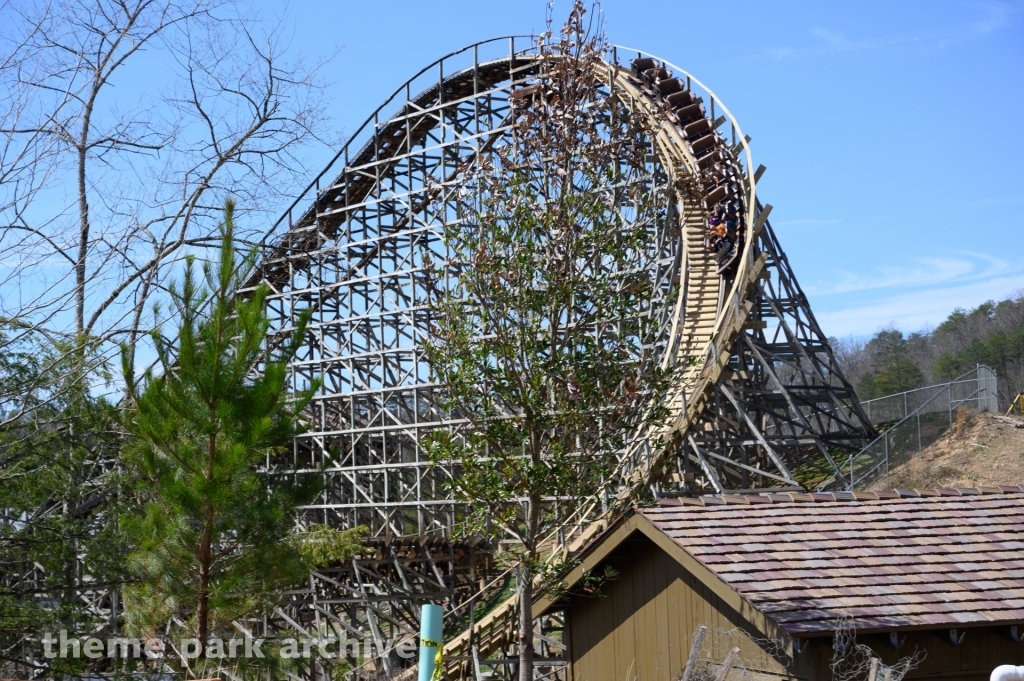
{"x": 886, "y": 438}
{"x": 983, "y": 396}
{"x": 919, "y": 433}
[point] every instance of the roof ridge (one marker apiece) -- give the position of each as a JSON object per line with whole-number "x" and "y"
{"x": 825, "y": 497}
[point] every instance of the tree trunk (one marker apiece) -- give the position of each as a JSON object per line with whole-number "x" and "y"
{"x": 206, "y": 559}
{"x": 84, "y": 225}
{"x": 525, "y": 624}
{"x": 203, "y": 609}
{"x": 526, "y": 574}
{"x": 83, "y": 243}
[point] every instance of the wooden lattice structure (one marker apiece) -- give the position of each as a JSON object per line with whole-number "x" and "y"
{"x": 760, "y": 403}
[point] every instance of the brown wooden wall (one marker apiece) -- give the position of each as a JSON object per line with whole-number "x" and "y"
{"x": 643, "y": 627}
{"x": 641, "y": 630}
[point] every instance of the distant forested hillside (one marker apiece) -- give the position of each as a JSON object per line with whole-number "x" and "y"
{"x": 891, "y": 362}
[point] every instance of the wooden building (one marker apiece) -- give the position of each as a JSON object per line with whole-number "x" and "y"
{"x": 937, "y": 571}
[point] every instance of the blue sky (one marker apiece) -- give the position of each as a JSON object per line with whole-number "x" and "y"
{"x": 891, "y": 130}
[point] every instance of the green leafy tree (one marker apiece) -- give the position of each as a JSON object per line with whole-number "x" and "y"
{"x": 59, "y": 494}
{"x": 539, "y": 335}
{"x": 894, "y": 371}
{"x": 991, "y": 334}
{"x": 1001, "y": 350}
{"x": 962, "y": 326}
{"x": 215, "y": 538}
{"x": 950, "y": 365}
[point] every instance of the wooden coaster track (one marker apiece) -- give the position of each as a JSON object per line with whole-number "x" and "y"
{"x": 760, "y": 402}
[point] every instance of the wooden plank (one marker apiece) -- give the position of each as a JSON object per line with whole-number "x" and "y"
{"x": 761, "y": 623}
{"x": 671, "y": 616}
{"x": 625, "y": 635}
{"x": 755, "y": 229}
{"x": 642, "y": 618}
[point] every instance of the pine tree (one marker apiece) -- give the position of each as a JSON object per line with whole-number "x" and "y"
{"x": 215, "y": 537}
{"x": 59, "y": 495}
{"x": 894, "y": 371}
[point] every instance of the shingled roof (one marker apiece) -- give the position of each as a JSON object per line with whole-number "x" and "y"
{"x": 889, "y": 560}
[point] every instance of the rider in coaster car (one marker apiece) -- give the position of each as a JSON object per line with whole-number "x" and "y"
{"x": 718, "y": 236}
{"x": 729, "y": 247}
{"x": 714, "y": 221}
{"x": 713, "y": 175}
{"x": 732, "y": 223}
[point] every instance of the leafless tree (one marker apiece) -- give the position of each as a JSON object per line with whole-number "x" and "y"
{"x": 852, "y": 356}
{"x": 123, "y": 126}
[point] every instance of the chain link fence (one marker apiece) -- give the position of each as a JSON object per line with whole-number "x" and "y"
{"x": 912, "y": 420}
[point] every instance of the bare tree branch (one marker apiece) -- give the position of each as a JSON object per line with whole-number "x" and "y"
{"x": 118, "y": 184}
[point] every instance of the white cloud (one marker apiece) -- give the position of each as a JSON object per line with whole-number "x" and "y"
{"x": 998, "y": 16}
{"x": 994, "y": 16}
{"x": 837, "y": 41}
{"x": 912, "y": 311}
{"x": 780, "y": 53}
{"x": 925, "y": 271}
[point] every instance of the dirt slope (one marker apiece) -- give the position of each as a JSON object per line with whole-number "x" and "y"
{"x": 980, "y": 450}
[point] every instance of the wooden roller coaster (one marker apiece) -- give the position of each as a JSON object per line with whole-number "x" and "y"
{"x": 760, "y": 404}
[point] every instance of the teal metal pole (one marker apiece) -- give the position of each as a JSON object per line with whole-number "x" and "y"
{"x": 431, "y": 631}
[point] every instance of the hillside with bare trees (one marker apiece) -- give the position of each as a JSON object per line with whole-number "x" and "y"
{"x": 892, "y": 361}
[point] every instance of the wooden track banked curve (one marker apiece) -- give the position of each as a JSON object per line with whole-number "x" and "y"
{"x": 710, "y": 310}
{"x": 709, "y": 316}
